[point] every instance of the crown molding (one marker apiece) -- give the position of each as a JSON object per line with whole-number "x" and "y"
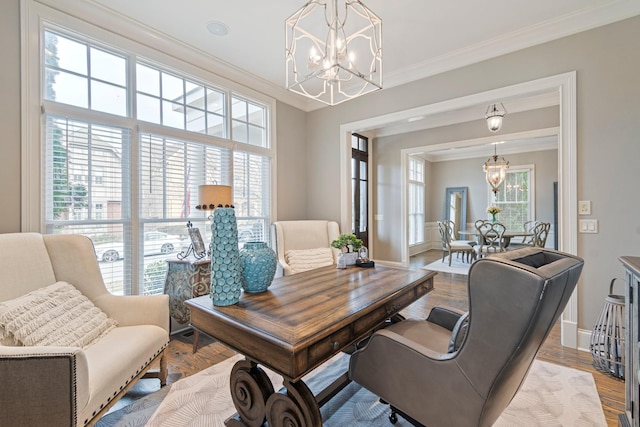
{"x": 553, "y": 29}
{"x": 110, "y": 20}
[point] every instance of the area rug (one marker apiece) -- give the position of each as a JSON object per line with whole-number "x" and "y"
{"x": 457, "y": 266}
{"x": 552, "y": 395}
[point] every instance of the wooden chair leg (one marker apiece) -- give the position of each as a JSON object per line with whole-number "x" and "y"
{"x": 162, "y": 375}
{"x": 196, "y": 336}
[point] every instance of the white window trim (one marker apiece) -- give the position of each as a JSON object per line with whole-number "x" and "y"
{"x": 90, "y": 21}
{"x": 423, "y": 185}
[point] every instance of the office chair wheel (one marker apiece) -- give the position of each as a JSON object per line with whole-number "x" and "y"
{"x": 393, "y": 418}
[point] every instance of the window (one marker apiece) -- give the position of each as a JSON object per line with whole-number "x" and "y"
{"x": 170, "y": 100}
{"x": 515, "y": 197}
{"x": 84, "y": 76}
{"x": 123, "y": 166}
{"x": 416, "y": 200}
{"x": 360, "y": 187}
{"x": 249, "y": 122}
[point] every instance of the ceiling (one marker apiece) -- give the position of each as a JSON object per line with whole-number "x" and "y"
{"x": 420, "y": 37}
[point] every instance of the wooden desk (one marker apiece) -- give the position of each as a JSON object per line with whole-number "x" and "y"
{"x": 300, "y": 322}
{"x": 506, "y": 236}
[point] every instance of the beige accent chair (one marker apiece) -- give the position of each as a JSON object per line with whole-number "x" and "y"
{"x": 71, "y": 386}
{"x": 451, "y": 370}
{"x": 302, "y": 235}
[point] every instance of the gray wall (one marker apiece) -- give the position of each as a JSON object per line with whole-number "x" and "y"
{"x": 606, "y": 60}
{"x": 291, "y": 158}
{"x": 10, "y": 115}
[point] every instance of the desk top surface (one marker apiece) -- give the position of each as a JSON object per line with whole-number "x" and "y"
{"x": 296, "y": 307}
{"x": 304, "y": 319}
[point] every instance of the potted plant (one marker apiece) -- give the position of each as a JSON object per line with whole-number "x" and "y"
{"x": 349, "y": 244}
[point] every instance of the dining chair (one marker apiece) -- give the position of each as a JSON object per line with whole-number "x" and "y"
{"x": 539, "y": 233}
{"x": 528, "y": 227}
{"x": 451, "y": 246}
{"x": 491, "y": 237}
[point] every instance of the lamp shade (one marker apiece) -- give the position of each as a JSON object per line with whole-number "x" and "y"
{"x": 494, "y": 116}
{"x": 495, "y": 170}
{"x": 212, "y": 196}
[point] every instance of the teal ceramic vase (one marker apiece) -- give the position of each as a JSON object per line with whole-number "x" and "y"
{"x": 259, "y": 264}
{"x": 226, "y": 270}
{"x": 493, "y": 218}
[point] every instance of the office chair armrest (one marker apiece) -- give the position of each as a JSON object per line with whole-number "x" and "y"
{"x": 445, "y": 316}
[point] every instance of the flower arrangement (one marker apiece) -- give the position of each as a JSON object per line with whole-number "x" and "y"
{"x": 493, "y": 210}
{"x": 348, "y": 241}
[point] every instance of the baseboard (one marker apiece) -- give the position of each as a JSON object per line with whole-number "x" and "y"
{"x": 584, "y": 340}
{"x": 394, "y": 264}
{"x": 569, "y": 334}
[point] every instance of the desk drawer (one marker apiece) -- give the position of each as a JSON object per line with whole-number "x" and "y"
{"x": 326, "y": 348}
{"x": 402, "y": 301}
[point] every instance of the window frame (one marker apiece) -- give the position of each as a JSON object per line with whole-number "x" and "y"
{"x": 36, "y": 18}
{"x": 419, "y": 184}
{"x": 530, "y": 168}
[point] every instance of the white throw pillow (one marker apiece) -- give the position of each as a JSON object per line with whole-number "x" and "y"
{"x": 307, "y": 259}
{"x": 56, "y": 315}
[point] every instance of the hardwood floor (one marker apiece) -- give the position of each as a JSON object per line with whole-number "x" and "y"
{"x": 450, "y": 290}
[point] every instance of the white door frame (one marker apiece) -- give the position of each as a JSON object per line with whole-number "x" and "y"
{"x": 565, "y": 86}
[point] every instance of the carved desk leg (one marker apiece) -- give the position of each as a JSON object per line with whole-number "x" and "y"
{"x": 255, "y": 400}
{"x": 296, "y": 408}
{"x": 250, "y": 389}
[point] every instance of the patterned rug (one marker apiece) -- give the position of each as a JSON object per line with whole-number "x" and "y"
{"x": 457, "y": 266}
{"x": 551, "y": 395}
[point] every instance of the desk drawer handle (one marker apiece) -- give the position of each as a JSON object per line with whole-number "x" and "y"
{"x": 335, "y": 345}
{"x": 394, "y": 308}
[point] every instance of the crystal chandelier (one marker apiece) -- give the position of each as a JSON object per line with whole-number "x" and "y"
{"x": 495, "y": 170}
{"x": 334, "y": 50}
{"x": 494, "y": 117}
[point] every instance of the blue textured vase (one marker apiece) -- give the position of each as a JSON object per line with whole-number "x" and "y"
{"x": 259, "y": 264}
{"x": 226, "y": 270}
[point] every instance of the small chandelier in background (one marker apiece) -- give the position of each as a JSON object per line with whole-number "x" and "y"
{"x": 494, "y": 116}
{"x": 495, "y": 170}
{"x": 333, "y": 50}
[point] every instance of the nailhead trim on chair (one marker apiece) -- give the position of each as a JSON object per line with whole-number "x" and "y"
{"x": 125, "y": 384}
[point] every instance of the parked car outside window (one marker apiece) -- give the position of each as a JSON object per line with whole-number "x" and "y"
{"x": 155, "y": 242}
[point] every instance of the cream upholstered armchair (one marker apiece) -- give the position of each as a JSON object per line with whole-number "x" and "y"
{"x": 453, "y": 370}
{"x": 304, "y": 245}
{"x": 78, "y": 359}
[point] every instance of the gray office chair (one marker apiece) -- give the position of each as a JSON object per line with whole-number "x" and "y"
{"x": 454, "y": 370}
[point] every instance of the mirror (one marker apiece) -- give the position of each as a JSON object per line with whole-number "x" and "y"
{"x": 455, "y": 208}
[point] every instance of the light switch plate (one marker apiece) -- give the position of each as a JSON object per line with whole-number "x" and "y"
{"x": 588, "y": 226}
{"x": 584, "y": 207}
